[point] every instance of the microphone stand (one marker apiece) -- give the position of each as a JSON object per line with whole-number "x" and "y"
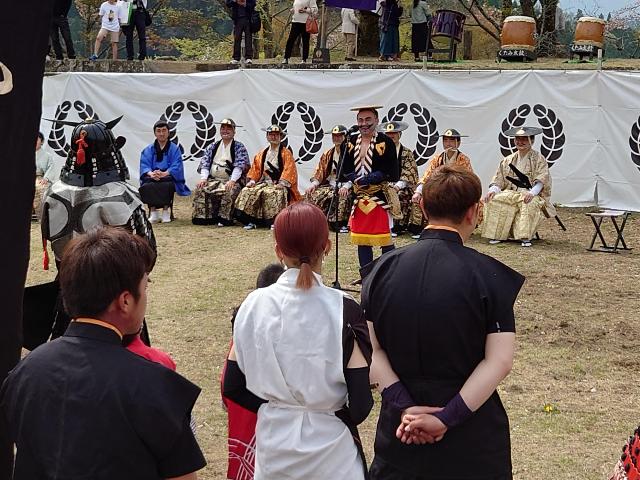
{"x": 334, "y": 206}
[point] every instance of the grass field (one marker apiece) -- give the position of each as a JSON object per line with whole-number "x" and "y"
{"x": 578, "y": 335}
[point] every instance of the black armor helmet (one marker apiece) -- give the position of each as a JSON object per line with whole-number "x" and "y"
{"x": 94, "y": 157}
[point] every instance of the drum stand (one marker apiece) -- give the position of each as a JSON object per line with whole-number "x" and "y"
{"x": 516, "y": 55}
{"x": 584, "y": 50}
{"x": 451, "y": 50}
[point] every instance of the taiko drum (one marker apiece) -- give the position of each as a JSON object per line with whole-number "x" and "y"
{"x": 518, "y": 32}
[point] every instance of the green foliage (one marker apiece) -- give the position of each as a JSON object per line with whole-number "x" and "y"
{"x": 207, "y": 46}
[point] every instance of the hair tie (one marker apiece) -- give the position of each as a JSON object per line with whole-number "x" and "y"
{"x": 305, "y": 259}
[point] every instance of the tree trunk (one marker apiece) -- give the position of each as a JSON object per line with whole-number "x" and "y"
{"x": 368, "y": 35}
{"x": 267, "y": 30}
{"x": 507, "y": 8}
{"x": 527, "y": 8}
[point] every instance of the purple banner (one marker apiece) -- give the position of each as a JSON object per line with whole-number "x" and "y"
{"x": 355, "y": 4}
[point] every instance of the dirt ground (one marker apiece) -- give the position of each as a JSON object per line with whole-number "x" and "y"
{"x": 577, "y": 320}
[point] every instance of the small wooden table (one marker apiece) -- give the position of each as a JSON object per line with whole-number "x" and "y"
{"x": 614, "y": 215}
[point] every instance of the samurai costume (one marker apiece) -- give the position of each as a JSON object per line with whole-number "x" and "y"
{"x": 159, "y": 193}
{"x": 276, "y": 177}
{"x": 83, "y": 406}
{"x": 417, "y": 221}
{"x": 408, "y": 176}
{"x": 371, "y": 173}
{"x": 432, "y": 305}
{"x": 506, "y": 215}
{"x": 213, "y": 203}
{"x": 324, "y": 178}
{"x": 92, "y": 191}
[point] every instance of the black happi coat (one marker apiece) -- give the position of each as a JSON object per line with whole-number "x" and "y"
{"x": 83, "y": 406}
{"x": 432, "y": 305}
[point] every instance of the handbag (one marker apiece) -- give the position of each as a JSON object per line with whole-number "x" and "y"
{"x": 312, "y": 25}
{"x": 255, "y": 22}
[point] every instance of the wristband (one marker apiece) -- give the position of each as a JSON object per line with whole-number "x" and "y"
{"x": 397, "y": 396}
{"x": 454, "y": 413}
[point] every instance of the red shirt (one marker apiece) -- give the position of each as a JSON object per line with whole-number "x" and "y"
{"x": 150, "y": 353}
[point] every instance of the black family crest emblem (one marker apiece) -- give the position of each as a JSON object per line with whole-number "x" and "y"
{"x": 428, "y": 135}
{"x": 205, "y": 129}
{"x": 313, "y": 133}
{"x": 634, "y": 143}
{"x": 553, "y": 138}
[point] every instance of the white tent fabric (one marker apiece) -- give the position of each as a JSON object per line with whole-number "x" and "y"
{"x": 588, "y": 117}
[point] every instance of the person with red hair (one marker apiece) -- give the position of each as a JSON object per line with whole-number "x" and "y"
{"x": 300, "y": 358}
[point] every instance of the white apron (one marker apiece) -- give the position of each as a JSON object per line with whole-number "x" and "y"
{"x": 288, "y": 343}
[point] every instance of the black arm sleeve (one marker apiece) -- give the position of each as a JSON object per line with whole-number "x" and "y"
{"x": 235, "y": 388}
{"x": 359, "y": 391}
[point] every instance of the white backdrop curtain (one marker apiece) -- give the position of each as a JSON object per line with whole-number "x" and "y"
{"x": 588, "y": 116}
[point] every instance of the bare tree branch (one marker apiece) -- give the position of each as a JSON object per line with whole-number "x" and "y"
{"x": 487, "y": 28}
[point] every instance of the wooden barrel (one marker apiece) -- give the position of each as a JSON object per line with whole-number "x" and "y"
{"x": 518, "y": 32}
{"x": 590, "y": 31}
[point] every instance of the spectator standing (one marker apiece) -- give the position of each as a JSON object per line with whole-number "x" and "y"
{"x": 137, "y": 22}
{"x": 389, "y": 33}
{"x": 302, "y": 10}
{"x": 420, "y": 21}
{"x": 60, "y": 24}
{"x": 350, "y": 24}
{"x": 110, "y": 27}
{"x": 241, "y": 12}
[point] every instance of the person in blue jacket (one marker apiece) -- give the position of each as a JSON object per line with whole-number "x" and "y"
{"x": 161, "y": 174}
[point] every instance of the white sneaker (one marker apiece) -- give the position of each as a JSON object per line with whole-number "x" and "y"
{"x": 272, "y": 227}
{"x": 526, "y": 243}
{"x": 303, "y": 62}
{"x": 394, "y": 234}
{"x": 249, "y": 226}
{"x": 166, "y": 215}
{"x": 416, "y": 236}
{"x": 220, "y": 224}
{"x": 155, "y": 216}
{"x": 234, "y": 61}
{"x": 285, "y": 61}
{"x": 494, "y": 242}
{"x": 248, "y": 61}
{"x": 344, "y": 229}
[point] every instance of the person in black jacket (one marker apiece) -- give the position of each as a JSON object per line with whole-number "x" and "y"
{"x": 60, "y": 23}
{"x": 241, "y": 11}
{"x": 137, "y": 22}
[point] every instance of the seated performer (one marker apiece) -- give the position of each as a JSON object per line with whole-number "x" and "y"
{"x": 519, "y": 195}
{"x": 83, "y": 406}
{"x": 223, "y": 170}
{"x": 452, "y": 156}
{"x": 161, "y": 174}
{"x": 408, "y": 175}
{"x": 370, "y": 164}
{"x": 45, "y": 173}
{"x": 323, "y": 183}
{"x": 272, "y": 183}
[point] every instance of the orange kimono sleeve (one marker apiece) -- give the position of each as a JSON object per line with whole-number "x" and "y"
{"x": 290, "y": 173}
{"x": 320, "y": 173}
{"x": 255, "y": 172}
{"x": 433, "y": 164}
{"x": 464, "y": 162}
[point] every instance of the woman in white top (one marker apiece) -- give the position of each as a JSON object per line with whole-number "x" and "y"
{"x": 300, "y": 358}
{"x": 301, "y": 10}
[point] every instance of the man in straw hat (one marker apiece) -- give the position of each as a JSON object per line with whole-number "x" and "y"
{"x": 272, "y": 183}
{"x": 408, "y": 175}
{"x": 371, "y": 163}
{"x": 452, "y": 156}
{"x": 520, "y": 193}
{"x": 223, "y": 169}
{"x": 323, "y": 182}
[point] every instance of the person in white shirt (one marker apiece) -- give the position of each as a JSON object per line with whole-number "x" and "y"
{"x": 223, "y": 170}
{"x": 110, "y": 26}
{"x": 350, "y": 24}
{"x": 302, "y": 10}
